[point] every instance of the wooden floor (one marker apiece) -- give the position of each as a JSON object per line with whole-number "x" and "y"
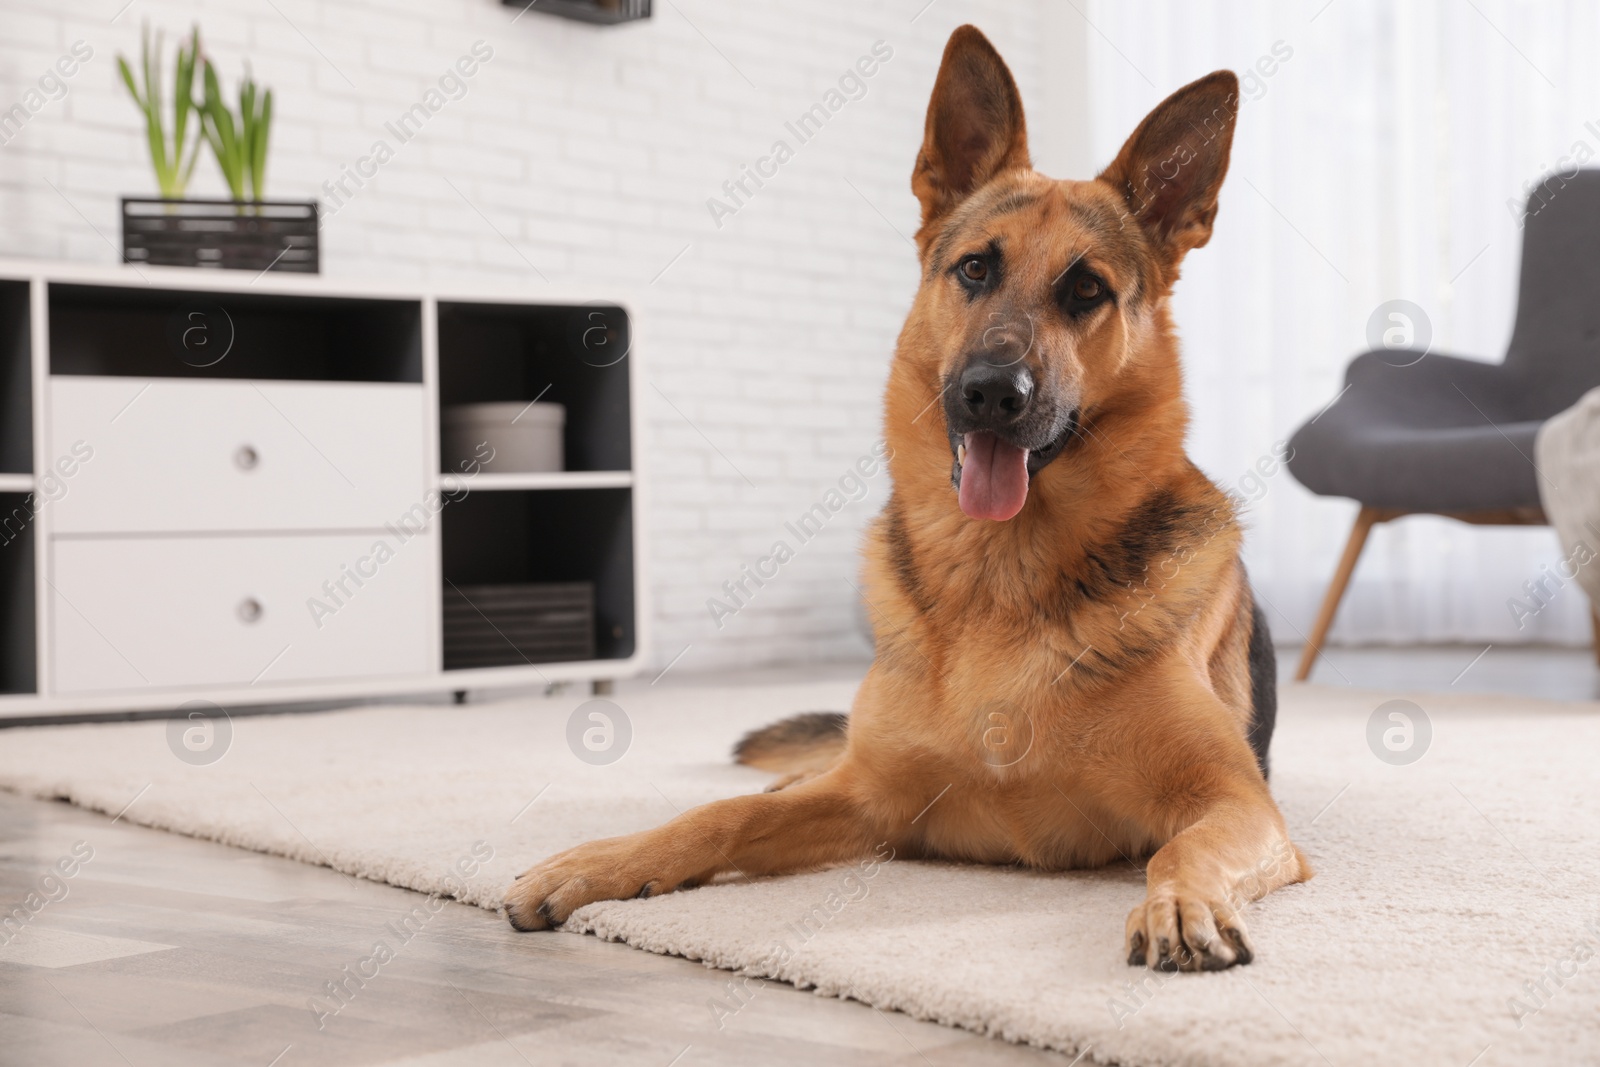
{"x": 167, "y": 951}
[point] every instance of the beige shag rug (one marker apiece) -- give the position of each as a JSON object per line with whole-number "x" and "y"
{"x": 1455, "y": 918}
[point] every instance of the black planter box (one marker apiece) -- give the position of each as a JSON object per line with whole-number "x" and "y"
{"x": 279, "y": 235}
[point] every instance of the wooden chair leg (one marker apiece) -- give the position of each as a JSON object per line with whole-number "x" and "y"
{"x": 1341, "y": 579}
{"x": 1594, "y": 621}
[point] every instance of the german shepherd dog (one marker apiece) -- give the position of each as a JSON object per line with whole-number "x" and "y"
{"x": 1071, "y": 668}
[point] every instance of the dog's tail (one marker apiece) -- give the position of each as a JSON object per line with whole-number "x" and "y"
{"x": 802, "y": 745}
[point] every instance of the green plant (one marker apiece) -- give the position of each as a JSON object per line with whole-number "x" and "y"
{"x": 172, "y": 171}
{"x": 239, "y": 145}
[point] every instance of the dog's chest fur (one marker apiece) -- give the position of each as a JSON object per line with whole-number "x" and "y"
{"x": 1008, "y": 668}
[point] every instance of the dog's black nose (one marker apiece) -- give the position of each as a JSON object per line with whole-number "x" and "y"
{"x": 995, "y": 396}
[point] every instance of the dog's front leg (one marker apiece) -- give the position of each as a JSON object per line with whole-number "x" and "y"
{"x": 811, "y": 824}
{"x": 1198, "y": 883}
{"x": 1225, "y": 842}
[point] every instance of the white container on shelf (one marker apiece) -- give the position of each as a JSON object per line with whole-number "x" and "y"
{"x": 524, "y": 438}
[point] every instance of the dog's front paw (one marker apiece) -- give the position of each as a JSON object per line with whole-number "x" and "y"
{"x": 613, "y": 869}
{"x": 1179, "y": 930}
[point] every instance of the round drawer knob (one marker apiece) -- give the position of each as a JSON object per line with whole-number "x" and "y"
{"x": 246, "y": 458}
{"x": 249, "y": 609}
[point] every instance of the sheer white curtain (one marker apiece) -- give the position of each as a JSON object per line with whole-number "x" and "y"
{"x": 1376, "y": 151}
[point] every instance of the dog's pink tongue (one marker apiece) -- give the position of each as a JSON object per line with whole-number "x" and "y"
{"x": 994, "y": 478}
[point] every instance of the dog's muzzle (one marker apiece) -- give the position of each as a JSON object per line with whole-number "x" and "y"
{"x": 1002, "y": 432}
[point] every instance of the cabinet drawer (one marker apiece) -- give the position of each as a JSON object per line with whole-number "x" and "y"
{"x": 138, "y": 613}
{"x": 204, "y": 456}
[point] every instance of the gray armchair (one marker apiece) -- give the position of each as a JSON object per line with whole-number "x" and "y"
{"x": 1447, "y": 436}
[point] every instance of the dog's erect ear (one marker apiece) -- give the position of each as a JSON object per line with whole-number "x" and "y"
{"x": 974, "y": 129}
{"x": 1171, "y": 169}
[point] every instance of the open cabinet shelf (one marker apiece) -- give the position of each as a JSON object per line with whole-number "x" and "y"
{"x": 18, "y": 651}
{"x": 549, "y": 538}
{"x": 572, "y": 355}
{"x": 16, "y": 385}
{"x": 175, "y": 333}
{"x": 18, "y": 619}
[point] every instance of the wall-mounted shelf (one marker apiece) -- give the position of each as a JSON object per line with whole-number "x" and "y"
{"x": 224, "y": 454}
{"x": 597, "y": 12}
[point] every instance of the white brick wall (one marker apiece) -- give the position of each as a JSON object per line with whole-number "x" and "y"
{"x": 593, "y": 151}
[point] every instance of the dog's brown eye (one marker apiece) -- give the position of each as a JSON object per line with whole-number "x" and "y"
{"x": 974, "y": 269}
{"x": 1087, "y": 288}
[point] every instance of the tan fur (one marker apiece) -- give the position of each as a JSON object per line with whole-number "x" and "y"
{"x": 799, "y": 747}
{"x": 1068, "y": 688}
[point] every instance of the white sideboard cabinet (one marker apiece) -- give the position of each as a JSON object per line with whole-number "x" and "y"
{"x": 223, "y": 487}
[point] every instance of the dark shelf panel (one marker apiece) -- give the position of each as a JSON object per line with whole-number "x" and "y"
{"x": 166, "y": 333}
{"x": 16, "y": 380}
{"x": 17, "y": 635}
